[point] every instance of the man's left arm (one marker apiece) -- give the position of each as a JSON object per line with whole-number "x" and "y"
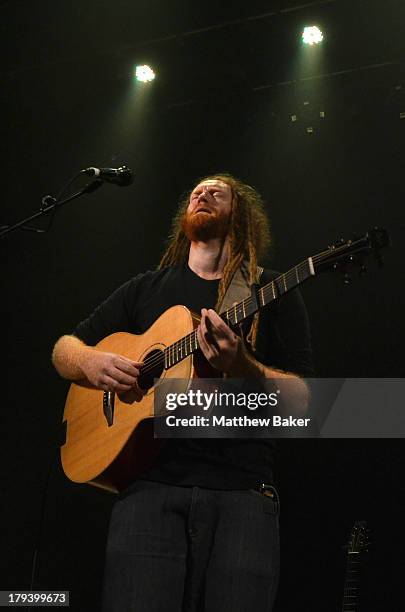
{"x": 226, "y": 352}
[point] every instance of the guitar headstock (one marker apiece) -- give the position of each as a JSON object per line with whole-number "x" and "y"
{"x": 346, "y": 254}
{"x": 358, "y": 540}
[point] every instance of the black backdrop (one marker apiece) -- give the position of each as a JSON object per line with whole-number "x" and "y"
{"x": 226, "y": 91}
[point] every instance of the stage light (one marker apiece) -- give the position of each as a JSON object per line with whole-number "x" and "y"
{"x": 312, "y": 35}
{"x": 144, "y": 74}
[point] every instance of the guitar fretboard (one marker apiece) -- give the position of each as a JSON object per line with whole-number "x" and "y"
{"x": 342, "y": 254}
{"x": 235, "y": 315}
{"x": 351, "y": 586}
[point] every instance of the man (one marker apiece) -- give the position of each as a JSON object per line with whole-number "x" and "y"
{"x": 197, "y": 532}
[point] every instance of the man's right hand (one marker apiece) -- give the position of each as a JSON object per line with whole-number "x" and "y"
{"x": 112, "y": 372}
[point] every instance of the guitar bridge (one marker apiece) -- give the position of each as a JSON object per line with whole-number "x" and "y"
{"x": 108, "y": 406}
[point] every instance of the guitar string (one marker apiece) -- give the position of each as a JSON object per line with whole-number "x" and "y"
{"x": 268, "y": 290}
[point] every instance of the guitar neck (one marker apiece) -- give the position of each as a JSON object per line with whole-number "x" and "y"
{"x": 269, "y": 293}
{"x": 352, "y": 582}
{"x": 336, "y": 257}
{"x": 238, "y": 313}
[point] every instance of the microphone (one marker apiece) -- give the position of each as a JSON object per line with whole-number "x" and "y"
{"x": 122, "y": 176}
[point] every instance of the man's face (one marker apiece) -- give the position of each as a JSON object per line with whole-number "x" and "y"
{"x": 209, "y": 210}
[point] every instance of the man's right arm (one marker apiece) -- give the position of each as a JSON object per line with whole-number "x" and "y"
{"x": 88, "y": 366}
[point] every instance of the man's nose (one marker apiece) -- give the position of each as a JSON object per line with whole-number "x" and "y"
{"x": 204, "y": 194}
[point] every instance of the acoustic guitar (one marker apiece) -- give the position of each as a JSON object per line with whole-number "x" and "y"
{"x": 107, "y": 442}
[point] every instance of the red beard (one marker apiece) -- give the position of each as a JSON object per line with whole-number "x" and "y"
{"x": 203, "y": 226}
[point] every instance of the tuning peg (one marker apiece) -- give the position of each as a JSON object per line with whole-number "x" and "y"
{"x": 347, "y": 278}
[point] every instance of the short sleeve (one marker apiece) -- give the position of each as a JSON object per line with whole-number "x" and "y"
{"x": 115, "y": 314}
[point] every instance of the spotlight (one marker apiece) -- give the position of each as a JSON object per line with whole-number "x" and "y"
{"x": 312, "y": 35}
{"x": 144, "y": 74}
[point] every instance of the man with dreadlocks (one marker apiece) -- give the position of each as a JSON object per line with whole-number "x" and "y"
{"x": 199, "y": 530}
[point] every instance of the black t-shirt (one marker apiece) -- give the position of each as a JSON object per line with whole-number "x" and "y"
{"x": 283, "y": 342}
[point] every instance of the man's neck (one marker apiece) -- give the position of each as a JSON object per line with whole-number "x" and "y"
{"x": 208, "y": 259}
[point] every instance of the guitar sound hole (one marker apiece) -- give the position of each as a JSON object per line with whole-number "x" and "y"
{"x": 153, "y": 367}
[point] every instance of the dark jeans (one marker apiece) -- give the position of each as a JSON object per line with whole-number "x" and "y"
{"x": 187, "y": 549}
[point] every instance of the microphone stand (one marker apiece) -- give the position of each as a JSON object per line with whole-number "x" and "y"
{"x": 50, "y": 205}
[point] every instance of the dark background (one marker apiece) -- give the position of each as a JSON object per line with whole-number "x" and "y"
{"x": 229, "y": 77}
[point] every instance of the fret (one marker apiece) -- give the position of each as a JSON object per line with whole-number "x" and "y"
{"x": 261, "y": 296}
{"x": 236, "y": 313}
{"x": 279, "y": 285}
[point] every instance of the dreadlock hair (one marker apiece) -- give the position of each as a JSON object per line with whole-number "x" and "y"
{"x": 249, "y": 232}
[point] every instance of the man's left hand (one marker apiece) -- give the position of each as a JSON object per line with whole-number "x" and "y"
{"x": 221, "y": 347}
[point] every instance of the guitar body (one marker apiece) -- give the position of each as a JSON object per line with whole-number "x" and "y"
{"x": 111, "y": 455}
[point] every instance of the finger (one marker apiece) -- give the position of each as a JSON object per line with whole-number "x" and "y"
{"x": 210, "y": 334}
{"x": 128, "y": 365}
{"x": 203, "y": 344}
{"x": 205, "y": 332}
{"x": 219, "y": 325}
{"x": 127, "y": 359}
{"x": 126, "y": 368}
{"x": 137, "y": 364}
{"x": 203, "y": 326}
{"x": 122, "y": 377}
{"x": 208, "y": 344}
